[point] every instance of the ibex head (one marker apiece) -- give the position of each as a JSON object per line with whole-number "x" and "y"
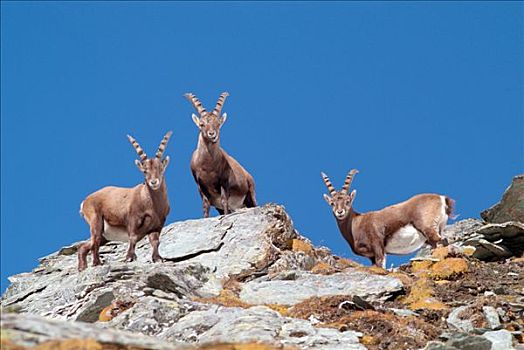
{"x": 152, "y": 168}
{"x": 209, "y": 123}
{"x": 340, "y": 202}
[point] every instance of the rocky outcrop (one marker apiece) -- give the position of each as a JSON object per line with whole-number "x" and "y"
{"x": 250, "y": 277}
{"x": 499, "y": 236}
{"x": 182, "y": 299}
{"x": 510, "y": 207}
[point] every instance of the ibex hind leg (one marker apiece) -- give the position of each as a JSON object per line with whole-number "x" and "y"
{"x": 431, "y": 232}
{"x": 97, "y": 239}
{"x": 251, "y": 201}
{"x": 84, "y": 249}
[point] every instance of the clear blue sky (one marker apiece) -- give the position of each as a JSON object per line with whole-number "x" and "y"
{"x": 420, "y": 97}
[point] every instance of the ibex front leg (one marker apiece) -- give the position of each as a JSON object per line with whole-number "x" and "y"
{"x": 154, "y": 239}
{"x": 205, "y": 202}
{"x": 131, "y": 256}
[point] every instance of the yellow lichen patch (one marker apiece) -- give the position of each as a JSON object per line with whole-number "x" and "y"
{"x": 369, "y": 340}
{"x": 440, "y": 253}
{"x": 301, "y": 246}
{"x": 403, "y": 277}
{"x": 6, "y": 344}
{"x": 441, "y": 282}
{"x": 376, "y": 270}
{"x": 469, "y": 250}
{"x": 74, "y": 344}
{"x": 421, "y": 296}
{"x": 428, "y": 304}
{"x": 421, "y": 266}
{"x": 343, "y": 263}
{"x": 518, "y": 260}
{"x": 114, "y": 309}
{"x": 105, "y": 315}
{"x": 281, "y": 309}
{"x": 449, "y": 268}
{"x": 225, "y": 298}
{"x": 323, "y": 268}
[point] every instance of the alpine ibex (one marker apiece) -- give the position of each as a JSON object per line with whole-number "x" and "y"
{"x": 221, "y": 180}
{"x": 399, "y": 229}
{"x": 128, "y": 214}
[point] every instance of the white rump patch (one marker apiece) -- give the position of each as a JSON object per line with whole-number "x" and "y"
{"x": 115, "y": 233}
{"x": 405, "y": 241}
{"x": 444, "y": 216}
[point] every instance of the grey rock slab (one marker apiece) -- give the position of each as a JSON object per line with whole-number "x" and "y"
{"x": 437, "y": 345}
{"x": 258, "y": 323}
{"x": 511, "y": 206}
{"x": 492, "y": 317}
{"x": 230, "y": 244}
{"x": 458, "y": 323}
{"x": 31, "y": 330}
{"x": 151, "y": 315}
{"x": 500, "y": 340}
{"x": 464, "y": 341}
{"x": 307, "y": 285}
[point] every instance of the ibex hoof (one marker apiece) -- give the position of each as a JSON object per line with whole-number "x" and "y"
{"x": 130, "y": 258}
{"x": 158, "y": 259}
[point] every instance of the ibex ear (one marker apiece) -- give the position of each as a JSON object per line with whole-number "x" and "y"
{"x": 139, "y": 165}
{"x": 327, "y": 199}
{"x": 352, "y": 196}
{"x": 223, "y": 119}
{"x": 165, "y": 162}
{"x": 196, "y": 120}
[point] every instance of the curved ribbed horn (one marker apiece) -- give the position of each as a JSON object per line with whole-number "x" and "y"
{"x": 349, "y": 180}
{"x": 220, "y": 104}
{"x": 139, "y": 150}
{"x": 328, "y": 183}
{"x": 163, "y": 144}
{"x": 196, "y": 103}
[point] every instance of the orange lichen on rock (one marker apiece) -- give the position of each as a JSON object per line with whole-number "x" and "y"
{"x": 440, "y": 252}
{"x": 76, "y": 344}
{"x": 114, "y": 309}
{"x": 323, "y": 268}
{"x": 6, "y": 344}
{"x": 376, "y": 270}
{"x": 403, "y": 277}
{"x": 518, "y": 260}
{"x": 469, "y": 250}
{"x": 421, "y": 296}
{"x": 369, "y": 340}
{"x": 226, "y": 298}
{"x": 449, "y": 268}
{"x": 421, "y": 266}
{"x": 281, "y": 309}
{"x": 343, "y": 263}
{"x": 299, "y": 245}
